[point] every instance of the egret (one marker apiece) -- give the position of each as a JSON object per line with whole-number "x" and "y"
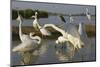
{"x": 68, "y": 36}
{"x": 84, "y": 37}
{"x": 28, "y": 41}
{"x": 88, "y": 14}
{"x": 63, "y": 19}
{"x": 28, "y": 46}
{"x": 36, "y": 22}
{"x": 38, "y": 27}
{"x": 71, "y": 18}
{"x": 86, "y": 50}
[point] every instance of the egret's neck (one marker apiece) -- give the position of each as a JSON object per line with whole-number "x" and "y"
{"x": 35, "y": 16}
{"x": 80, "y": 28}
{"x": 56, "y": 28}
{"x": 39, "y": 26}
{"x": 20, "y": 29}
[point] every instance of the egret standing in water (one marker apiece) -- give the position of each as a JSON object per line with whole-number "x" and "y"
{"x": 38, "y": 27}
{"x": 86, "y": 50}
{"x": 25, "y": 39}
{"x": 36, "y": 22}
{"x": 68, "y": 36}
{"x": 85, "y": 39}
{"x": 28, "y": 44}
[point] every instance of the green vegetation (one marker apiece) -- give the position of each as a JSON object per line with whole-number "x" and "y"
{"x": 27, "y": 13}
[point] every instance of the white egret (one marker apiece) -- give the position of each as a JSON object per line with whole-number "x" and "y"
{"x": 71, "y": 18}
{"x": 63, "y": 19}
{"x": 38, "y": 27}
{"x": 85, "y": 52}
{"x": 69, "y": 41}
{"x": 88, "y": 14}
{"x": 36, "y": 22}
{"x": 28, "y": 41}
{"x": 71, "y": 35}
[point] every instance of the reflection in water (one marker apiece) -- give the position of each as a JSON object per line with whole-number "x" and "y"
{"x": 64, "y": 52}
{"x": 49, "y": 52}
{"x": 30, "y": 57}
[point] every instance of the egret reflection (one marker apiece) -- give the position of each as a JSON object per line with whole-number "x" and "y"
{"x": 64, "y": 52}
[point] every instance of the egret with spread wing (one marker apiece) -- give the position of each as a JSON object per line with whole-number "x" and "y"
{"x": 71, "y": 35}
{"x": 70, "y": 38}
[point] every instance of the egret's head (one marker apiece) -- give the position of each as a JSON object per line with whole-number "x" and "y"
{"x": 36, "y": 13}
{"x": 34, "y": 16}
{"x": 19, "y": 18}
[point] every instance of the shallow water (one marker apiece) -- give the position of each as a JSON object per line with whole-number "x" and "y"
{"x": 55, "y": 20}
{"x": 49, "y": 54}
{"x": 48, "y": 51}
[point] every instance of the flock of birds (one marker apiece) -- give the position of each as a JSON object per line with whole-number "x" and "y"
{"x": 76, "y": 37}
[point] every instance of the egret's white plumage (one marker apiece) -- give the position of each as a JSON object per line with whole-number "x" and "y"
{"x": 69, "y": 41}
{"x": 88, "y": 15}
{"x": 35, "y": 22}
{"x": 22, "y": 36}
{"x": 85, "y": 52}
{"x": 38, "y": 27}
{"x": 26, "y": 46}
{"x": 61, "y": 40}
{"x": 28, "y": 41}
{"x": 68, "y": 36}
{"x": 45, "y": 32}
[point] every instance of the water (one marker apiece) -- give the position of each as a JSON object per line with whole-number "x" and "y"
{"x": 49, "y": 54}
{"x": 55, "y": 20}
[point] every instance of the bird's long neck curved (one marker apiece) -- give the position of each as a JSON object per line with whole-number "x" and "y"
{"x": 36, "y": 17}
{"x": 56, "y": 28}
{"x": 36, "y": 38}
